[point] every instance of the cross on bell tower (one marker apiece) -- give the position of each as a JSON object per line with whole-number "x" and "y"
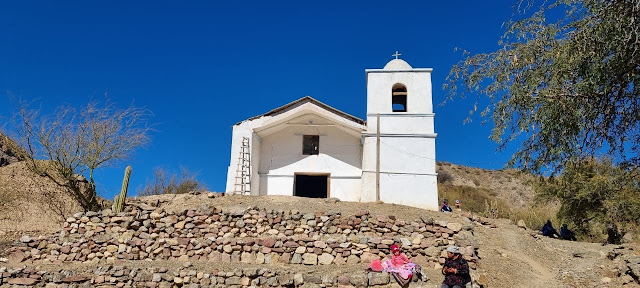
{"x": 397, "y": 54}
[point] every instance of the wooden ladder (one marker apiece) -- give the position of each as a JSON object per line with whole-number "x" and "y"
{"x": 243, "y": 173}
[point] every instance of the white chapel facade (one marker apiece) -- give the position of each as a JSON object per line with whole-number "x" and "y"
{"x": 307, "y": 148}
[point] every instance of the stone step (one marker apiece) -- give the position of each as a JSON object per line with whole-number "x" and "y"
{"x": 168, "y": 274}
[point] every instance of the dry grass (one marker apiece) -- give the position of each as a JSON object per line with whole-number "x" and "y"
{"x": 537, "y": 215}
{"x": 509, "y": 185}
{"x": 489, "y": 204}
{"x": 472, "y": 199}
{"x": 170, "y": 182}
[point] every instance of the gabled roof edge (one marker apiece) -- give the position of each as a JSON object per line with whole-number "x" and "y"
{"x": 312, "y": 100}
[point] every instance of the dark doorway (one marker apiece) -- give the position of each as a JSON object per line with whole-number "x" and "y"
{"x": 312, "y": 186}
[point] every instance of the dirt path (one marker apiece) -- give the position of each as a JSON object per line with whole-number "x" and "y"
{"x": 513, "y": 257}
{"x": 504, "y": 258}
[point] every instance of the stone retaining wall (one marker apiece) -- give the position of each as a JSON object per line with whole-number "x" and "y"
{"x": 144, "y": 236}
{"x": 245, "y": 235}
{"x": 122, "y": 276}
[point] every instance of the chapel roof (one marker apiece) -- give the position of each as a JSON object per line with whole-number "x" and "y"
{"x": 308, "y": 99}
{"x": 397, "y": 64}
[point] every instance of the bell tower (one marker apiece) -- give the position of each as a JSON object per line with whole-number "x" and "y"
{"x": 400, "y": 157}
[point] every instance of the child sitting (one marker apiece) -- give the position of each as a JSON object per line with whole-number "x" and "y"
{"x": 400, "y": 267}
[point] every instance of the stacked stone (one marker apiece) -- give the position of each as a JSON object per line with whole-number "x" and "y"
{"x": 185, "y": 276}
{"x": 247, "y": 235}
{"x": 627, "y": 265}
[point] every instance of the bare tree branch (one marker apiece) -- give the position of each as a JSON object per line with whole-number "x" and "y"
{"x": 76, "y": 142}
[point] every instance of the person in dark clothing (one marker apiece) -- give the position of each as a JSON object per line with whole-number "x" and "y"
{"x": 455, "y": 269}
{"x": 445, "y": 206}
{"x": 549, "y": 231}
{"x": 614, "y": 236}
{"x": 566, "y": 234}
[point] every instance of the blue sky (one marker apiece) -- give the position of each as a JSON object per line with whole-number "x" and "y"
{"x": 202, "y": 66}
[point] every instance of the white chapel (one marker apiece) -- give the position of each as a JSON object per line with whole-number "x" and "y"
{"x": 307, "y": 148}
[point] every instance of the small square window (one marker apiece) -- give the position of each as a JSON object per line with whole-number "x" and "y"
{"x": 310, "y": 144}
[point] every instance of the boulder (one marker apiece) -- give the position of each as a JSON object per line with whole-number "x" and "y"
{"x": 378, "y": 278}
{"x": 454, "y": 226}
{"x": 521, "y": 224}
{"x": 325, "y": 259}
{"x": 296, "y": 259}
{"x": 358, "y": 280}
{"x": 268, "y": 242}
{"x": 23, "y": 281}
{"x": 466, "y": 238}
{"x": 309, "y": 259}
{"x": 628, "y": 238}
{"x": 15, "y": 257}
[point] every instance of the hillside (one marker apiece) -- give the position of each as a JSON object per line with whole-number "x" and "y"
{"x": 30, "y": 202}
{"x": 505, "y": 254}
{"x": 509, "y": 185}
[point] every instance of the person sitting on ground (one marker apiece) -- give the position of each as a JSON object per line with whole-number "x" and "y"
{"x": 548, "y": 230}
{"x": 445, "y": 206}
{"x": 399, "y": 266}
{"x": 566, "y": 234}
{"x": 613, "y": 236}
{"x": 457, "y": 204}
{"x": 455, "y": 269}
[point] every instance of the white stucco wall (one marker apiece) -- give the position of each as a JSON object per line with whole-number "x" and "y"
{"x": 401, "y": 123}
{"x": 239, "y": 131}
{"x": 255, "y": 164}
{"x": 380, "y": 83}
{"x": 340, "y": 156}
{"x": 244, "y": 129}
{"x": 401, "y": 155}
{"x": 406, "y": 164}
{"x": 404, "y": 189}
{"x": 407, "y": 140}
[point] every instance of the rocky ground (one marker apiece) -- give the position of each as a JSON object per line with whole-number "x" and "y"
{"x": 315, "y": 240}
{"x": 516, "y": 257}
{"x": 509, "y": 256}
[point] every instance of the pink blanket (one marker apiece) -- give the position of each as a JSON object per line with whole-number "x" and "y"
{"x": 404, "y": 270}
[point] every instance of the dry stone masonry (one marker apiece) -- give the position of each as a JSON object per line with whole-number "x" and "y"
{"x": 236, "y": 235}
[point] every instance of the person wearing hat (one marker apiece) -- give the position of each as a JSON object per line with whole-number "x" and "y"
{"x": 455, "y": 269}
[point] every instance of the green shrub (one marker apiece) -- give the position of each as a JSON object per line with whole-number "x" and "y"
{"x": 595, "y": 196}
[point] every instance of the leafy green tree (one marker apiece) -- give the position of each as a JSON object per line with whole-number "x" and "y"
{"x": 595, "y": 192}
{"x": 565, "y": 79}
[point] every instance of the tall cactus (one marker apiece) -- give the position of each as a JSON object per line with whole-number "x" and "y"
{"x": 118, "y": 201}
